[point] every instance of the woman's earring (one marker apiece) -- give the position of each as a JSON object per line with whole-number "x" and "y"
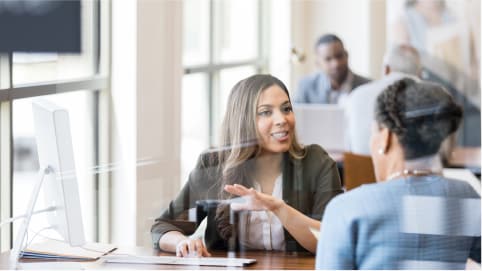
{"x": 381, "y": 151}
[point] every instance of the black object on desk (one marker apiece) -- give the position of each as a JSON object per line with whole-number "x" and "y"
{"x": 212, "y": 210}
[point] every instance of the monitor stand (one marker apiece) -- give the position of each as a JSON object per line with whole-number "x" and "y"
{"x": 22, "y": 231}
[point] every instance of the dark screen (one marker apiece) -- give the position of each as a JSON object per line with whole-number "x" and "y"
{"x": 40, "y": 26}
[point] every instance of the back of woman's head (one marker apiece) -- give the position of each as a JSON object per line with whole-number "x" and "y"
{"x": 420, "y": 114}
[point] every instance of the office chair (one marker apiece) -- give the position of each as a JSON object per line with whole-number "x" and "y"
{"x": 357, "y": 170}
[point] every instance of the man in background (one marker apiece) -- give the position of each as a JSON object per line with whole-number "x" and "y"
{"x": 400, "y": 62}
{"x": 335, "y": 80}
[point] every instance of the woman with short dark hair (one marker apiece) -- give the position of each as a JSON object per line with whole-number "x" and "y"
{"x": 414, "y": 218}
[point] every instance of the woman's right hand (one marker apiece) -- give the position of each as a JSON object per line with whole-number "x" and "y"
{"x": 191, "y": 248}
{"x": 253, "y": 200}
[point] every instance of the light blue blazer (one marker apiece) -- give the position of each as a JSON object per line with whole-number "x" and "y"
{"x": 408, "y": 223}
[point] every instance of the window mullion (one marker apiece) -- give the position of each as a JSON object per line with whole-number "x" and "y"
{"x": 93, "y": 83}
{"x": 6, "y": 172}
{"x": 261, "y": 29}
{"x": 5, "y": 152}
{"x": 211, "y": 72}
{"x": 104, "y": 132}
{"x": 258, "y": 62}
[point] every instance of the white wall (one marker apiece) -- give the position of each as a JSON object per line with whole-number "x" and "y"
{"x": 146, "y": 85}
{"x": 159, "y": 41}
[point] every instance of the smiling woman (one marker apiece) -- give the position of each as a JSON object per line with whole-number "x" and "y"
{"x": 287, "y": 185}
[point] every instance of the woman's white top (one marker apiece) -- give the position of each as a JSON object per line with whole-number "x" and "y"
{"x": 264, "y": 230}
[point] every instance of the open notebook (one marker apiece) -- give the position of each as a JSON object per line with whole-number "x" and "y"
{"x": 59, "y": 250}
{"x": 315, "y": 232}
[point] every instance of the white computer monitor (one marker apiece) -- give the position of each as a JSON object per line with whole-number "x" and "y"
{"x": 54, "y": 146}
{"x": 322, "y": 124}
{"x": 57, "y": 176}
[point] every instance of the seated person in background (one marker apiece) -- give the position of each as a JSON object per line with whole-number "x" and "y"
{"x": 449, "y": 49}
{"x": 335, "y": 80}
{"x": 414, "y": 218}
{"x": 401, "y": 61}
{"x": 469, "y": 134}
{"x": 258, "y": 150}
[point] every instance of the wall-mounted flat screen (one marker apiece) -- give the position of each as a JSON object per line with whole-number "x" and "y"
{"x": 40, "y": 26}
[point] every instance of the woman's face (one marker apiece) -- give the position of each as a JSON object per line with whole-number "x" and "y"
{"x": 275, "y": 120}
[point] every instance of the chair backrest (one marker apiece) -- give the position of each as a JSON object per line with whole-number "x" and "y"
{"x": 357, "y": 170}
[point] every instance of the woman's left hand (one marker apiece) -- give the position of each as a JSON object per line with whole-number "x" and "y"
{"x": 253, "y": 200}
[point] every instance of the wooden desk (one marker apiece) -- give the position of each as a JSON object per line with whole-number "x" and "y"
{"x": 264, "y": 260}
{"x": 462, "y": 157}
{"x": 465, "y": 157}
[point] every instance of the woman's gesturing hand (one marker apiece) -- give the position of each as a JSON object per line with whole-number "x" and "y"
{"x": 252, "y": 199}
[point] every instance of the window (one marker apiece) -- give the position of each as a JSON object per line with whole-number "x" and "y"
{"x": 222, "y": 45}
{"x": 72, "y": 81}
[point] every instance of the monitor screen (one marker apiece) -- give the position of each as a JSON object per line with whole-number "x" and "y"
{"x": 322, "y": 124}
